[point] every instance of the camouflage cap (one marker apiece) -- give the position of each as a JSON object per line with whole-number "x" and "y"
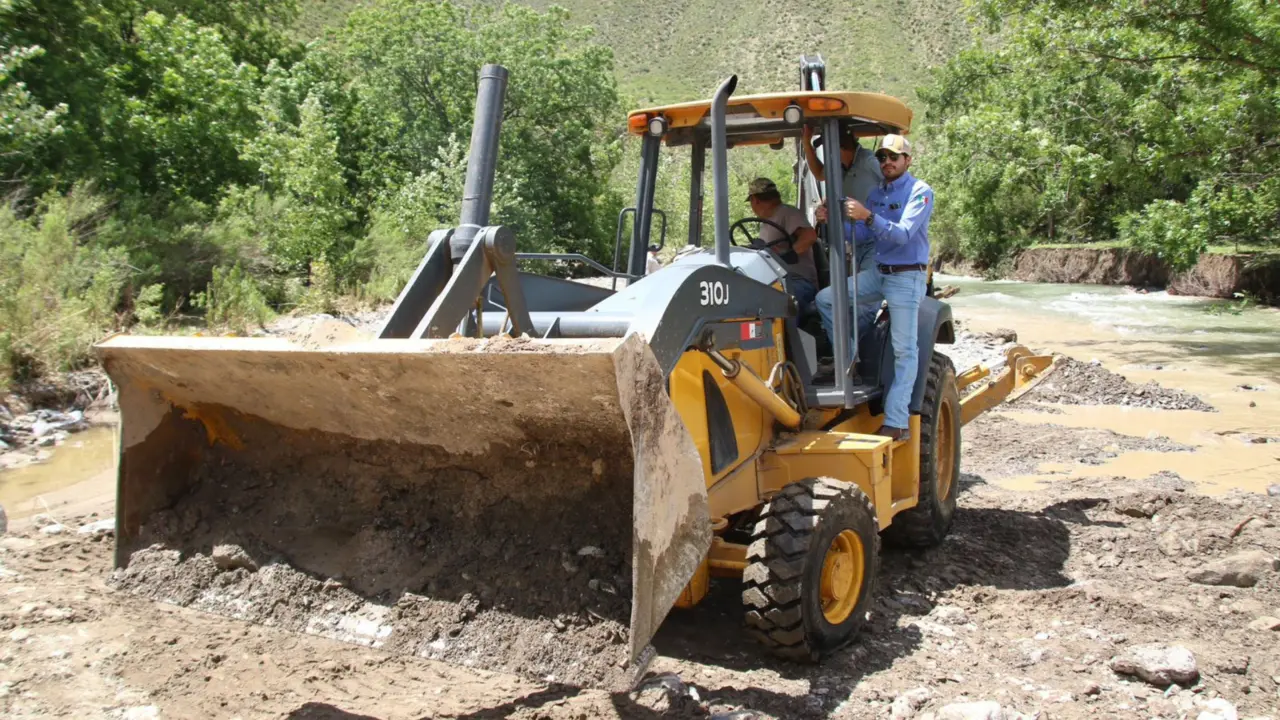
{"x": 759, "y": 186}
{"x": 895, "y": 144}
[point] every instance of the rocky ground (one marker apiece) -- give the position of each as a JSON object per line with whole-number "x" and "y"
{"x": 1090, "y": 597}
{"x": 1096, "y": 598}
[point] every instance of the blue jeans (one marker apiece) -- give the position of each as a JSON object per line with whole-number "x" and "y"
{"x": 864, "y": 255}
{"x": 803, "y": 291}
{"x": 903, "y": 292}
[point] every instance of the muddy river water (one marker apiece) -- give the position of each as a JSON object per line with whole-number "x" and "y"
{"x": 1232, "y": 361}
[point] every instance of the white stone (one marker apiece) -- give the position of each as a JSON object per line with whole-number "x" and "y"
{"x": 1157, "y": 664}
{"x": 100, "y": 527}
{"x": 54, "y": 529}
{"x": 908, "y": 703}
{"x": 1265, "y": 622}
{"x": 949, "y": 615}
{"x": 1218, "y": 709}
{"x": 145, "y": 712}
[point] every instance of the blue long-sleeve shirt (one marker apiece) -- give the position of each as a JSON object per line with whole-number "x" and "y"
{"x": 900, "y": 229}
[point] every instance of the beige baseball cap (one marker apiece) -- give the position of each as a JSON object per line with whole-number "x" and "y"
{"x": 895, "y": 144}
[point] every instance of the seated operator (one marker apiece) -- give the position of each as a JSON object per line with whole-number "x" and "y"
{"x": 796, "y": 251}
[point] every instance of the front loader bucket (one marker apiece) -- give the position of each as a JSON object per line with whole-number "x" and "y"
{"x": 529, "y": 506}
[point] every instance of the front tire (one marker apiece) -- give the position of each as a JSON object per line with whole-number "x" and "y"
{"x": 812, "y": 568}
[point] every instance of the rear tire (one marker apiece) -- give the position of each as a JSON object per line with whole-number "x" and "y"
{"x": 926, "y": 524}
{"x": 812, "y": 568}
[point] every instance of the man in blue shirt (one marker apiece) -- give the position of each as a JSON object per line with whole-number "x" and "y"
{"x": 896, "y": 216}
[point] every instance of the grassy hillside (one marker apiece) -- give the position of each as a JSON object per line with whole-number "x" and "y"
{"x": 670, "y": 50}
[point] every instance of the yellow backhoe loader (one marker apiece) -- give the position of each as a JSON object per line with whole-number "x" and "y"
{"x": 528, "y": 473}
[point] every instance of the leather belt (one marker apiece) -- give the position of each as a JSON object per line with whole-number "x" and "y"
{"x": 891, "y": 269}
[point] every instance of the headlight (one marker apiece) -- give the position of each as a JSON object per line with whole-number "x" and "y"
{"x": 658, "y": 126}
{"x": 793, "y": 114}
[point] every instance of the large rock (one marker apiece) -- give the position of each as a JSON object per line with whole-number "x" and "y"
{"x": 230, "y": 557}
{"x": 1159, "y": 665}
{"x": 1141, "y": 505}
{"x": 1265, "y": 623}
{"x": 1243, "y": 569}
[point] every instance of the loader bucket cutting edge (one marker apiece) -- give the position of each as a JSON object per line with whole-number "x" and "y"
{"x": 531, "y": 506}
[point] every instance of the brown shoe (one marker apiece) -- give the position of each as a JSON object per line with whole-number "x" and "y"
{"x": 893, "y": 433}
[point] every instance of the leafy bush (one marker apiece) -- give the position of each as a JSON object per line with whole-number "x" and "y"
{"x": 233, "y": 301}
{"x": 59, "y": 287}
{"x": 1168, "y": 230}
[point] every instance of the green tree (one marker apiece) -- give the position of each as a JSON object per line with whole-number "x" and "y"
{"x": 398, "y": 85}
{"x": 26, "y": 127}
{"x": 103, "y": 59}
{"x": 176, "y": 112}
{"x": 1088, "y": 119}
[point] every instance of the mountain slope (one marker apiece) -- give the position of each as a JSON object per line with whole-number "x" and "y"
{"x": 670, "y": 50}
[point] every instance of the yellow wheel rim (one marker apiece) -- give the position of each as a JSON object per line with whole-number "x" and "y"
{"x": 945, "y": 452}
{"x": 843, "y": 572}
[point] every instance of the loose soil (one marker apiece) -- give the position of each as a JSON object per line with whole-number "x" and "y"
{"x": 1013, "y": 448}
{"x": 488, "y": 562}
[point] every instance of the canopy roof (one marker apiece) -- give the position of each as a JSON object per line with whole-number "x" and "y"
{"x": 867, "y": 115}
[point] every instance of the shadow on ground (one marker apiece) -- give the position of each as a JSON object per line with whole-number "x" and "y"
{"x": 998, "y": 548}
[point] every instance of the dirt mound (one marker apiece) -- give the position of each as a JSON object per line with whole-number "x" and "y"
{"x": 490, "y": 563}
{"x": 1081, "y": 383}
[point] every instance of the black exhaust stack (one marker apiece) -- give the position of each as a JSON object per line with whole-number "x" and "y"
{"x": 720, "y": 166}
{"x": 482, "y": 163}
{"x": 438, "y": 299}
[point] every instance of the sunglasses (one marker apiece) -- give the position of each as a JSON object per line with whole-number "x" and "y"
{"x": 886, "y": 155}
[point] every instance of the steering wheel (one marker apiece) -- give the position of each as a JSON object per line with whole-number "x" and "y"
{"x": 741, "y": 225}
